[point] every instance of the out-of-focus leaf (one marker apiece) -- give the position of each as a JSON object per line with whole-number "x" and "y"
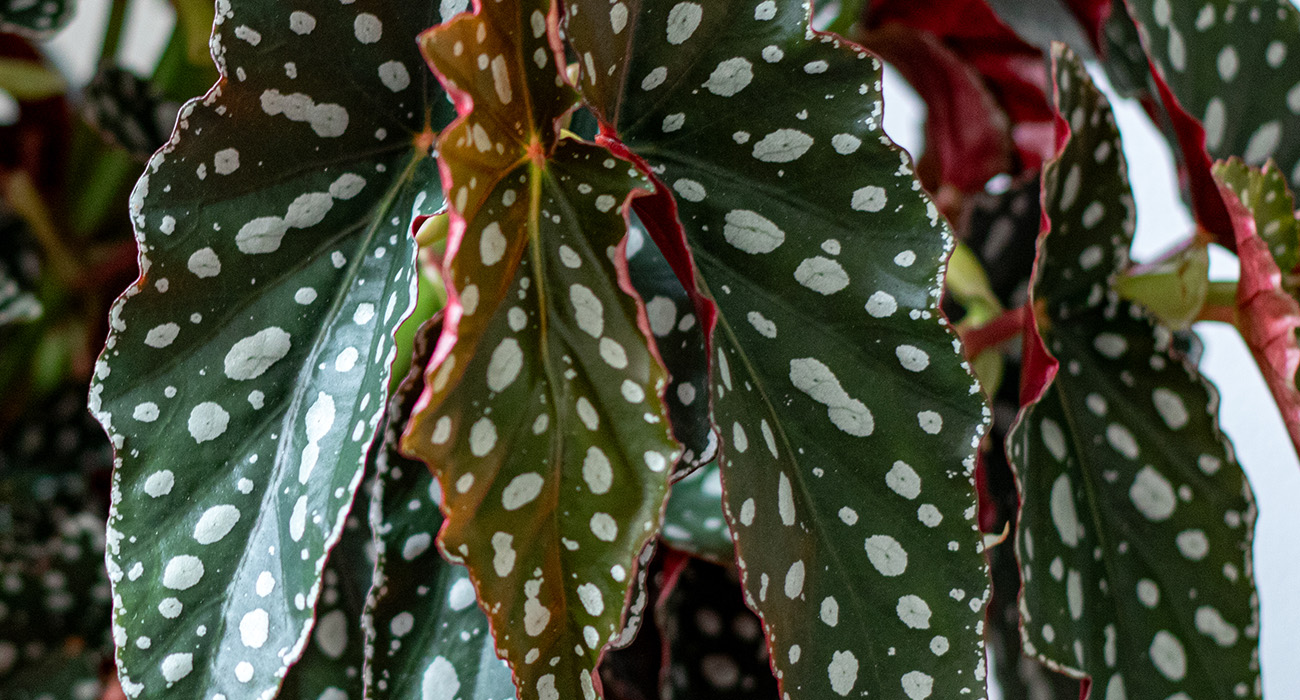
{"x": 694, "y": 521}
{"x": 247, "y": 368}
{"x": 835, "y": 442}
{"x": 54, "y": 597}
{"x": 543, "y": 415}
{"x": 128, "y": 111}
{"x": 1173, "y": 288}
{"x": 20, "y": 269}
{"x": 29, "y": 80}
{"x": 1134, "y": 538}
{"x": 37, "y": 19}
{"x": 713, "y": 644}
{"x": 983, "y": 85}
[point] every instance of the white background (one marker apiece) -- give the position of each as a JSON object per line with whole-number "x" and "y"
{"x": 1247, "y": 411}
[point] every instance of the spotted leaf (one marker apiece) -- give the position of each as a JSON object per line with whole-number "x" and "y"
{"x": 713, "y": 644}
{"x": 542, "y": 416}
{"x": 35, "y": 18}
{"x": 20, "y": 271}
{"x": 846, "y": 458}
{"x": 425, "y": 632}
{"x": 694, "y": 521}
{"x": 1235, "y": 66}
{"x": 1134, "y": 539}
{"x": 680, "y": 339}
{"x": 246, "y": 371}
{"x": 1268, "y": 294}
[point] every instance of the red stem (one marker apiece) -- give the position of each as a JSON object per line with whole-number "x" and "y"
{"x": 996, "y": 332}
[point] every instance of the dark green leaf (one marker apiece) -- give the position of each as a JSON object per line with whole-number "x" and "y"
{"x": 1235, "y": 66}
{"x": 35, "y": 18}
{"x": 246, "y": 372}
{"x": 427, "y": 634}
{"x": 1135, "y": 533}
{"x": 863, "y": 587}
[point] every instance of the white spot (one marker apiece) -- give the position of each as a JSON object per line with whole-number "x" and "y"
{"x": 346, "y": 360}
{"x": 204, "y": 263}
{"x": 881, "y": 305}
{"x": 298, "y": 519}
{"x": 683, "y": 20}
{"x": 765, "y": 328}
{"x": 253, "y": 628}
{"x": 886, "y": 554}
{"x": 765, "y": 11}
{"x": 159, "y": 483}
{"x": 251, "y": 357}
{"x": 604, "y": 527}
{"x": 501, "y": 80}
{"x": 845, "y": 144}
{"x": 394, "y": 75}
{"x": 177, "y": 666}
{"x": 869, "y": 199}
{"x": 843, "y": 672}
{"x": 332, "y": 634}
{"x": 1168, "y": 656}
{"x": 662, "y": 314}
{"x": 846, "y": 413}
{"x": 182, "y": 572}
{"x": 592, "y": 601}
{"x": 522, "y": 490}
{"x": 903, "y": 480}
{"x": 917, "y": 685}
{"x": 265, "y": 233}
{"x": 505, "y": 365}
{"x": 225, "y": 161}
{"x": 1171, "y": 408}
{"x": 587, "y": 309}
{"x": 912, "y": 358}
{"x": 482, "y": 437}
{"x": 596, "y": 471}
{"x": 1148, "y": 593}
{"x": 1074, "y": 594}
{"x": 1053, "y": 438}
{"x": 1111, "y": 345}
{"x": 1211, "y": 623}
{"x": 1263, "y": 143}
{"x": 215, "y": 523}
{"x": 503, "y": 553}
{"x": 415, "y": 545}
{"x": 491, "y": 244}
{"x": 265, "y": 584}
{"x": 1193, "y": 544}
{"x": 1122, "y": 440}
{"x": 301, "y": 23}
{"x": 305, "y": 295}
{"x": 364, "y": 313}
{"x": 730, "y": 77}
{"x": 367, "y": 28}
{"x": 690, "y": 190}
{"x": 1152, "y": 494}
{"x": 782, "y": 146}
{"x": 930, "y": 422}
{"x": 785, "y": 499}
{"x": 794, "y": 580}
{"x": 207, "y": 421}
{"x": 752, "y": 232}
{"x": 1064, "y": 514}
{"x": 830, "y": 611}
{"x": 461, "y": 595}
{"x": 914, "y": 612}
{"x": 654, "y": 78}
{"x": 822, "y": 275}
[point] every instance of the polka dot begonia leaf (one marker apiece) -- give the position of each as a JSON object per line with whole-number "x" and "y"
{"x": 20, "y": 267}
{"x": 847, "y": 418}
{"x": 1235, "y": 66}
{"x": 1268, "y": 293}
{"x": 35, "y": 18}
{"x": 1134, "y": 538}
{"x": 713, "y": 644}
{"x": 679, "y": 337}
{"x": 543, "y": 416}
{"x": 695, "y": 521}
{"x": 246, "y": 370}
{"x": 426, "y": 636}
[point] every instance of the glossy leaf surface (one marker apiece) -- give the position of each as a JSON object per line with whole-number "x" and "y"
{"x": 846, "y": 457}
{"x": 247, "y": 368}
{"x": 542, "y": 416}
{"x": 426, "y": 634}
{"x": 1134, "y": 538}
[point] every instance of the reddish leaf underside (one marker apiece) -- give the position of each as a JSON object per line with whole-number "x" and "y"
{"x": 542, "y": 417}
{"x": 1268, "y": 314}
{"x": 1134, "y": 538}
